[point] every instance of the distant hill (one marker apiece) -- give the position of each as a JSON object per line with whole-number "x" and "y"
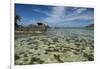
{"x": 91, "y": 26}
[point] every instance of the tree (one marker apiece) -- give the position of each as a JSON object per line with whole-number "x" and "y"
{"x": 17, "y": 19}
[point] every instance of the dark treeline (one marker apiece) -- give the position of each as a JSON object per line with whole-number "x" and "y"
{"x": 91, "y": 26}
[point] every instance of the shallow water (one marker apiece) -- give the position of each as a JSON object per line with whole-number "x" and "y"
{"x": 63, "y": 32}
{"x": 55, "y": 46}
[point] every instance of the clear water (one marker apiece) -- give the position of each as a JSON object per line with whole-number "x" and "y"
{"x": 63, "y": 32}
{"x": 71, "y": 32}
{"x": 55, "y": 46}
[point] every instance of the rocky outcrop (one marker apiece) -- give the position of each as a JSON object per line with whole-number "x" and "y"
{"x": 38, "y": 28}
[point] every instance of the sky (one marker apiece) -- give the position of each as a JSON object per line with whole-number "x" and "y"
{"x": 55, "y": 16}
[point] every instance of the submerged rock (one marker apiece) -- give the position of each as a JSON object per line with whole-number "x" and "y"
{"x": 44, "y": 49}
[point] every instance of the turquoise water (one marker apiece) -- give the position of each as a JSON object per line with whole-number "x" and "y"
{"x": 71, "y": 32}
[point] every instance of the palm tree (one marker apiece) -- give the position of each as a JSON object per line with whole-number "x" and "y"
{"x": 17, "y": 19}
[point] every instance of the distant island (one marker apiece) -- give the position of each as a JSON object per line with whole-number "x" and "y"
{"x": 90, "y": 26}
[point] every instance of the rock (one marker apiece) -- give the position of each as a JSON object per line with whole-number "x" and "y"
{"x": 55, "y": 39}
{"x": 57, "y": 57}
{"x": 38, "y": 32}
{"x": 52, "y": 46}
{"x": 50, "y": 40}
{"x": 88, "y": 54}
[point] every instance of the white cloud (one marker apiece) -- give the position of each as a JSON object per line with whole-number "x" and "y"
{"x": 79, "y": 17}
{"x": 58, "y": 15}
{"x": 58, "y": 12}
{"x": 41, "y": 12}
{"x": 80, "y": 10}
{"x": 29, "y": 21}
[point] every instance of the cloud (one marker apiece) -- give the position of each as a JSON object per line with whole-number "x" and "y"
{"x": 26, "y": 21}
{"x": 41, "y": 12}
{"x": 59, "y": 15}
{"x": 58, "y": 12}
{"x": 56, "y": 15}
{"x": 80, "y": 10}
{"x": 79, "y": 17}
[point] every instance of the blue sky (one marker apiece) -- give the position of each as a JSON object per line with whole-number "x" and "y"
{"x": 59, "y": 16}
